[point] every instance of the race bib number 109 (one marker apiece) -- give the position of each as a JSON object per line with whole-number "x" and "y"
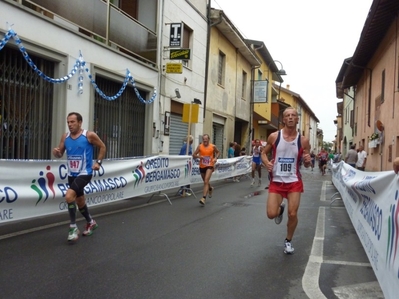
{"x": 285, "y": 166}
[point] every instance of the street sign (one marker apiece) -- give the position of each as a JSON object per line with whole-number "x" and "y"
{"x": 260, "y": 91}
{"x": 175, "y": 37}
{"x": 174, "y": 68}
{"x": 179, "y": 54}
{"x": 190, "y": 116}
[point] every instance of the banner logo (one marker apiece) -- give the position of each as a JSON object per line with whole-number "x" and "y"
{"x": 188, "y": 168}
{"x": 44, "y": 185}
{"x": 138, "y": 175}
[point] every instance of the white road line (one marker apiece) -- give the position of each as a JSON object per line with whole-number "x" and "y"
{"x": 323, "y": 191}
{"x": 346, "y": 263}
{"x": 310, "y": 279}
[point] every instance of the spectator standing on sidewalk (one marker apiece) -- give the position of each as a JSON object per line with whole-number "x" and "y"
{"x": 185, "y": 190}
{"x": 361, "y": 158}
{"x": 230, "y": 151}
{"x": 351, "y": 156}
{"x": 288, "y": 148}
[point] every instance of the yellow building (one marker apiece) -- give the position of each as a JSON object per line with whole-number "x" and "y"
{"x": 265, "y": 103}
{"x": 307, "y": 124}
{"x": 228, "y": 87}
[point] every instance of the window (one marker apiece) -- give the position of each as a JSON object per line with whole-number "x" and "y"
{"x": 221, "y": 68}
{"x": 244, "y": 85}
{"x": 187, "y": 42}
{"x": 130, "y": 7}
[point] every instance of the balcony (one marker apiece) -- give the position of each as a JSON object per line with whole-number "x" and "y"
{"x": 120, "y": 30}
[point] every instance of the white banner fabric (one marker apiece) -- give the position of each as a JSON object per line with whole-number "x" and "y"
{"x": 371, "y": 200}
{"x": 31, "y": 189}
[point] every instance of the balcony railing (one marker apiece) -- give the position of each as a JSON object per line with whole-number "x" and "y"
{"x": 90, "y": 17}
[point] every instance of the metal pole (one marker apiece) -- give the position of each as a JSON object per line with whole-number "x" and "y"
{"x": 189, "y": 129}
{"x": 188, "y": 139}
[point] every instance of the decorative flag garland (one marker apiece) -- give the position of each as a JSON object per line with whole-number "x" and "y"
{"x": 78, "y": 67}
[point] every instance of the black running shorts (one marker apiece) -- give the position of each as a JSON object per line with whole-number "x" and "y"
{"x": 78, "y": 183}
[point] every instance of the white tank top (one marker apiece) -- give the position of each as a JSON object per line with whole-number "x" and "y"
{"x": 286, "y": 159}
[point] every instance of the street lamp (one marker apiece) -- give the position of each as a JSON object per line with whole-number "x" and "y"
{"x": 281, "y": 71}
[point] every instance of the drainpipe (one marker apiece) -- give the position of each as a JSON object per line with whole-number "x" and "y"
{"x": 207, "y": 53}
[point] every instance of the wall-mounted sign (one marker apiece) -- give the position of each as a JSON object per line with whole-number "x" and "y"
{"x": 175, "y": 38}
{"x": 174, "y": 68}
{"x": 260, "y": 91}
{"x": 179, "y": 54}
{"x": 190, "y": 116}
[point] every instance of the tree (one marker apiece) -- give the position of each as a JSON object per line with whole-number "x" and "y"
{"x": 327, "y": 146}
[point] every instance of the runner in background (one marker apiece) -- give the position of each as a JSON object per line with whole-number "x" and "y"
{"x": 208, "y": 154}
{"x": 256, "y": 162}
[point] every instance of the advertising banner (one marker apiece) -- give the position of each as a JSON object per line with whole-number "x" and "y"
{"x": 36, "y": 188}
{"x": 371, "y": 200}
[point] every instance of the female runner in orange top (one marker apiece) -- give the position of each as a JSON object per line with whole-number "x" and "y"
{"x": 208, "y": 154}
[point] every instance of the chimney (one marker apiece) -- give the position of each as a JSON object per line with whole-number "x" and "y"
{"x": 288, "y": 86}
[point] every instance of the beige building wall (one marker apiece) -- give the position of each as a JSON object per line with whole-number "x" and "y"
{"x": 227, "y": 101}
{"x": 377, "y": 101}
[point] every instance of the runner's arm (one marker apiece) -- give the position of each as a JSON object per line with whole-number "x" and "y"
{"x": 58, "y": 152}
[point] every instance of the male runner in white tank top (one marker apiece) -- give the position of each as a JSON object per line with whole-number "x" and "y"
{"x": 288, "y": 149}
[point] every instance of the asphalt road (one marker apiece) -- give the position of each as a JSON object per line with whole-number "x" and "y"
{"x": 227, "y": 249}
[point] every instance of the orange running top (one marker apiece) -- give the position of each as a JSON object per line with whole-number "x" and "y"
{"x": 207, "y": 153}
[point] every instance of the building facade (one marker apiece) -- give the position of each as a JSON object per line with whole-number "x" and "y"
{"x": 121, "y": 87}
{"x": 228, "y": 91}
{"x": 110, "y": 40}
{"x": 371, "y": 75}
{"x": 184, "y": 32}
{"x": 308, "y": 122}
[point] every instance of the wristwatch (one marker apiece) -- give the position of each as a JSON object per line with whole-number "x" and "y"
{"x": 99, "y": 162}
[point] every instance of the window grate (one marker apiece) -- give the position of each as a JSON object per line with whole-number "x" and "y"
{"x": 26, "y": 105}
{"x": 120, "y": 123}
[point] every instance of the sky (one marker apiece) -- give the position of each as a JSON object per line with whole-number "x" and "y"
{"x": 311, "y": 39}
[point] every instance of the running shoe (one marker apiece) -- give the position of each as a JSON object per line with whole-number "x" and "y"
{"x": 288, "y": 249}
{"x": 259, "y": 183}
{"x": 253, "y": 182}
{"x": 279, "y": 218}
{"x": 210, "y": 192}
{"x": 188, "y": 193}
{"x": 89, "y": 228}
{"x": 202, "y": 201}
{"x": 73, "y": 234}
